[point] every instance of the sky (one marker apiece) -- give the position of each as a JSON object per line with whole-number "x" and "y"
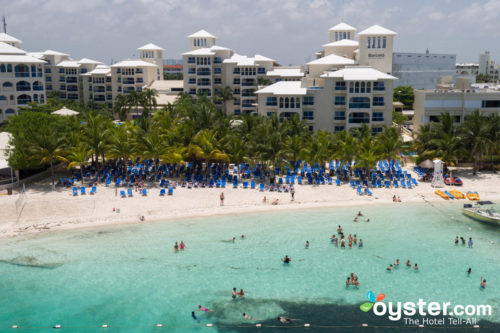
{"x": 289, "y": 31}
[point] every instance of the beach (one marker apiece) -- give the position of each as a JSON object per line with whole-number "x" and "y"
{"x": 46, "y": 210}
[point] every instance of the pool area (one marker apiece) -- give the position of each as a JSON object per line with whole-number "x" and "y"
{"x": 129, "y": 277}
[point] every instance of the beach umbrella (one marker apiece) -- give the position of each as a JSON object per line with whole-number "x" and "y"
{"x": 426, "y": 164}
{"x": 65, "y": 112}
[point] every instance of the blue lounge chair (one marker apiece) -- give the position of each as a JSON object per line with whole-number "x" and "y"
{"x": 108, "y": 181}
{"x": 408, "y": 184}
{"x": 93, "y": 190}
{"x": 261, "y": 187}
{"x": 170, "y": 191}
{"x": 414, "y": 181}
{"x": 387, "y": 184}
{"x": 122, "y": 194}
{"x": 337, "y": 182}
{"x": 82, "y": 190}
{"x": 379, "y": 183}
{"x": 396, "y": 184}
{"x": 75, "y": 190}
{"x": 144, "y": 192}
{"x": 330, "y": 181}
{"x": 352, "y": 184}
{"x": 403, "y": 184}
{"x": 369, "y": 192}
{"x": 118, "y": 182}
{"x": 223, "y": 183}
{"x": 299, "y": 180}
{"x": 252, "y": 185}
{"x": 162, "y": 192}
{"x": 129, "y": 192}
{"x": 360, "y": 192}
{"x": 245, "y": 185}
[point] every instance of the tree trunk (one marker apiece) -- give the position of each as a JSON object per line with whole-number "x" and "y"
{"x": 52, "y": 173}
{"x": 81, "y": 172}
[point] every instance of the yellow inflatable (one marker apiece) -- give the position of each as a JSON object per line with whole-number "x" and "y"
{"x": 442, "y": 194}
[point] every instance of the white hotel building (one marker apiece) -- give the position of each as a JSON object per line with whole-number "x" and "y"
{"x": 350, "y": 84}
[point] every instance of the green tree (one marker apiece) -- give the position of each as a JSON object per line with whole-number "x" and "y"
{"x": 404, "y": 94}
{"x": 78, "y": 156}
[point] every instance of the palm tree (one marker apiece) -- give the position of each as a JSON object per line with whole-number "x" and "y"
{"x": 95, "y": 134}
{"x": 148, "y": 101}
{"x": 474, "y": 134}
{"x": 390, "y": 144}
{"x": 319, "y": 148}
{"x": 121, "y": 143}
{"x": 345, "y": 147}
{"x": 224, "y": 96}
{"x": 368, "y": 155}
{"x": 121, "y": 107}
{"x": 206, "y": 146}
{"x": 78, "y": 156}
{"x": 152, "y": 145}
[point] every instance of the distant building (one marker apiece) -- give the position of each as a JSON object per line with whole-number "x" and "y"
{"x": 422, "y": 70}
{"x": 172, "y": 61}
{"x": 172, "y": 69}
{"x": 488, "y": 67}
{"x": 459, "y": 100}
{"x": 467, "y": 71}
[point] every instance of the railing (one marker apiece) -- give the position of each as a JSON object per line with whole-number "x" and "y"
{"x": 37, "y": 88}
{"x": 359, "y": 121}
{"x": 203, "y": 73}
{"x": 359, "y": 105}
{"x": 247, "y": 84}
{"x": 22, "y": 74}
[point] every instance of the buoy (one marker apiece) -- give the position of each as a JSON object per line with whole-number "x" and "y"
{"x": 364, "y": 325}
{"x": 421, "y": 326}
{"x": 14, "y": 326}
{"x": 258, "y": 325}
{"x": 104, "y": 326}
{"x": 57, "y": 326}
{"x": 476, "y": 326}
{"x": 209, "y": 325}
{"x": 159, "y": 325}
{"x": 307, "y": 325}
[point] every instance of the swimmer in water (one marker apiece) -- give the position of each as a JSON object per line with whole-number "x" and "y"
{"x": 286, "y": 260}
{"x": 367, "y": 220}
{"x": 350, "y": 244}
{"x": 194, "y": 316}
{"x": 355, "y": 240}
{"x": 360, "y": 243}
{"x": 408, "y": 263}
{"x": 396, "y": 263}
{"x": 332, "y": 239}
{"x": 242, "y": 236}
{"x": 389, "y": 268}
{"x": 234, "y": 239}
{"x": 176, "y": 247}
{"x": 359, "y": 213}
{"x": 469, "y": 271}
{"x": 241, "y": 293}
{"x": 348, "y": 282}
{"x": 415, "y": 267}
{"x": 350, "y": 238}
{"x": 463, "y": 240}
{"x": 342, "y": 243}
{"x": 203, "y": 309}
{"x": 355, "y": 219}
{"x": 307, "y": 244}
{"x": 339, "y": 229}
{"x": 483, "y": 283}
{"x": 234, "y": 293}
{"x": 182, "y": 246}
{"x": 456, "y": 240}
{"x": 284, "y": 320}
{"x": 247, "y": 316}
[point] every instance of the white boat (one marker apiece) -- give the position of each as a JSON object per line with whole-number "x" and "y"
{"x": 482, "y": 212}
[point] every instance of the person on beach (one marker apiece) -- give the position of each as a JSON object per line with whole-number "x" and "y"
{"x": 470, "y": 242}
{"x": 394, "y": 198}
{"x": 182, "y": 246}
{"x": 222, "y": 198}
{"x": 408, "y": 263}
{"x": 399, "y": 199}
{"x": 469, "y": 271}
{"x": 307, "y": 244}
{"x": 200, "y": 308}
{"x": 264, "y": 200}
{"x": 234, "y": 293}
{"x": 286, "y": 260}
{"x": 292, "y": 192}
{"x": 241, "y": 293}
{"x": 360, "y": 243}
{"x": 275, "y": 202}
{"x": 396, "y": 263}
{"x": 483, "y": 283}
{"x": 389, "y": 268}
{"x": 176, "y": 247}
{"x": 415, "y": 267}
{"x": 194, "y": 316}
{"x": 456, "y": 240}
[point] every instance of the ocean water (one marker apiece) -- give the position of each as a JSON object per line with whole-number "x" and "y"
{"x": 130, "y": 278}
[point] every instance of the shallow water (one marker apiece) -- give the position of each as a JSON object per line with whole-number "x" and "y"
{"x": 129, "y": 277}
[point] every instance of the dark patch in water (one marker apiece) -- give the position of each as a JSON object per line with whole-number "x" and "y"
{"x": 332, "y": 317}
{"x": 28, "y": 261}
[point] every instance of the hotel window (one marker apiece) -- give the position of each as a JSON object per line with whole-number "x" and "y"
{"x": 378, "y": 86}
{"x": 118, "y": 70}
{"x": 344, "y": 35}
{"x": 338, "y": 128}
{"x": 384, "y": 42}
{"x": 369, "y": 42}
{"x": 217, "y": 70}
{"x": 373, "y": 42}
{"x": 271, "y": 101}
{"x": 308, "y": 100}
{"x": 297, "y": 103}
{"x": 348, "y": 35}
{"x": 217, "y": 80}
{"x": 368, "y": 87}
{"x": 378, "y": 101}
{"x": 362, "y": 88}
{"x": 237, "y": 112}
{"x": 308, "y": 115}
{"x": 376, "y": 130}
{"x": 287, "y": 103}
{"x": 281, "y": 102}
{"x": 378, "y": 116}
{"x": 138, "y": 71}
{"x": 378, "y": 42}
{"x": 236, "y": 81}
{"x": 108, "y": 79}
{"x": 191, "y": 60}
{"x": 236, "y": 71}
{"x": 339, "y": 100}
{"x": 356, "y": 87}
{"x": 61, "y": 70}
{"x": 191, "y": 80}
{"x": 262, "y": 70}
{"x": 339, "y": 115}
{"x": 340, "y": 85}
{"x": 351, "y": 87}
{"x": 336, "y": 36}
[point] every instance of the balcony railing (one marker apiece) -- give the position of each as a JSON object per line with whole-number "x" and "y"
{"x": 359, "y": 105}
{"x": 22, "y": 74}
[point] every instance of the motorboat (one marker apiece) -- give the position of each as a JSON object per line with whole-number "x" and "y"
{"x": 483, "y": 211}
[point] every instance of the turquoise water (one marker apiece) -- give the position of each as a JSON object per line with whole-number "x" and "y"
{"x": 129, "y": 277}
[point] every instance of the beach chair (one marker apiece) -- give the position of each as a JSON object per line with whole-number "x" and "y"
{"x": 93, "y": 190}
{"x": 129, "y": 192}
{"x": 337, "y": 182}
{"x": 223, "y": 184}
{"x": 144, "y": 192}
{"x": 75, "y": 190}
{"x": 414, "y": 181}
{"x": 108, "y": 181}
{"x": 396, "y": 184}
{"x": 387, "y": 184}
{"x": 217, "y": 183}
{"x": 252, "y": 185}
{"x": 330, "y": 181}
{"x": 82, "y": 190}
{"x": 118, "y": 182}
{"x": 245, "y": 185}
{"x": 403, "y": 184}
{"x": 170, "y": 191}
{"x": 360, "y": 192}
{"x": 122, "y": 194}
{"x": 408, "y": 184}
{"x": 299, "y": 180}
{"x": 352, "y": 184}
{"x": 369, "y": 192}
{"x": 261, "y": 187}
{"x": 162, "y": 192}
{"x": 379, "y": 183}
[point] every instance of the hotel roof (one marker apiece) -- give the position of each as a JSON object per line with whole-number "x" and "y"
{"x": 150, "y": 46}
{"x": 20, "y": 58}
{"x": 51, "y": 52}
{"x": 242, "y": 60}
{"x": 343, "y": 42}
{"x": 203, "y": 51}
{"x": 342, "y": 26}
{"x": 359, "y": 73}
{"x": 85, "y": 61}
{"x": 8, "y": 38}
{"x": 376, "y": 30}
{"x": 286, "y": 72}
{"x": 100, "y": 69}
{"x": 332, "y": 59}
{"x": 9, "y": 49}
{"x": 284, "y": 88}
{"x": 69, "y": 63}
{"x": 202, "y": 33}
{"x": 133, "y": 63}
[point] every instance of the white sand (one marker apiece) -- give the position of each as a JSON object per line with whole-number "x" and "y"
{"x": 47, "y": 210}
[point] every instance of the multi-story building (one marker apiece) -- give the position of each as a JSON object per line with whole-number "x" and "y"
{"x": 209, "y": 68}
{"x": 422, "y": 70}
{"x": 97, "y": 86}
{"x": 21, "y": 78}
{"x": 467, "y": 70}
{"x": 488, "y": 67}
{"x": 349, "y": 85}
{"x": 132, "y": 74}
{"x": 460, "y": 101}
{"x": 8, "y": 39}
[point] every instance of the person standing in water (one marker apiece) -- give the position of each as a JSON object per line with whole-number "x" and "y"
{"x": 307, "y": 244}
{"x": 483, "y": 283}
{"x": 470, "y": 242}
{"x": 234, "y": 293}
{"x": 469, "y": 271}
{"x": 176, "y": 247}
{"x": 194, "y": 316}
{"x": 182, "y": 246}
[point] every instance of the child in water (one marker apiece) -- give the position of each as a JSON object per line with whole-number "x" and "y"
{"x": 360, "y": 243}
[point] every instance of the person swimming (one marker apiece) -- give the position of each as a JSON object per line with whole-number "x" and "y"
{"x": 284, "y": 320}
{"x": 182, "y": 246}
{"x": 242, "y": 236}
{"x": 359, "y": 213}
{"x": 307, "y": 244}
{"x": 469, "y": 271}
{"x": 286, "y": 260}
{"x": 360, "y": 242}
{"x": 355, "y": 219}
{"x": 483, "y": 283}
{"x": 348, "y": 282}
{"x": 332, "y": 239}
{"x": 355, "y": 239}
{"x": 367, "y": 220}
{"x": 342, "y": 242}
{"x": 408, "y": 263}
{"x": 456, "y": 240}
{"x": 389, "y": 268}
{"x": 350, "y": 244}
{"x": 396, "y": 263}
{"x": 247, "y": 316}
{"x": 234, "y": 293}
{"x": 339, "y": 229}
{"x": 336, "y": 241}
{"x": 415, "y": 267}
{"x": 463, "y": 240}
{"x": 194, "y": 316}
{"x": 176, "y": 247}
{"x": 234, "y": 239}
{"x": 241, "y": 293}
{"x": 203, "y": 309}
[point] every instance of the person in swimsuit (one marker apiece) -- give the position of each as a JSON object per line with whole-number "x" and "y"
{"x": 348, "y": 282}
{"x": 182, "y": 246}
{"x": 286, "y": 259}
{"x": 350, "y": 244}
{"x": 342, "y": 243}
{"x": 203, "y": 309}
{"x": 222, "y": 198}
{"x": 463, "y": 240}
{"x": 408, "y": 263}
{"x": 234, "y": 293}
{"x": 360, "y": 242}
{"x": 284, "y": 320}
{"x": 242, "y": 237}
{"x": 355, "y": 239}
{"x": 176, "y": 247}
{"x": 339, "y": 229}
{"x": 194, "y": 316}
{"x": 469, "y": 271}
{"x": 336, "y": 241}
{"x": 307, "y": 244}
{"x": 483, "y": 283}
{"x": 456, "y": 240}
{"x": 470, "y": 242}
{"x": 415, "y": 267}
{"x": 359, "y": 213}
{"x": 247, "y": 316}
{"x": 396, "y": 263}
{"x": 241, "y": 293}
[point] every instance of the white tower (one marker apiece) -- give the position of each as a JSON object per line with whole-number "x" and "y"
{"x": 201, "y": 39}
{"x": 376, "y": 45}
{"x": 153, "y": 54}
{"x": 341, "y": 31}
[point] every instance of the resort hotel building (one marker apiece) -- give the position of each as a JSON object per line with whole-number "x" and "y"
{"x": 349, "y": 84}
{"x": 459, "y": 100}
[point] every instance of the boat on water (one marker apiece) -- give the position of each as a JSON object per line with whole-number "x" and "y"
{"x": 483, "y": 212}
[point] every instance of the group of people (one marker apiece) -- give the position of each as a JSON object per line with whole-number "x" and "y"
{"x": 470, "y": 243}
{"x": 182, "y": 246}
{"x": 356, "y": 218}
{"x": 352, "y": 280}
{"x": 396, "y": 199}
{"x": 391, "y": 267}
{"x": 352, "y": 241}
{"x": 235, "y": 293}
{"x": 273, "y": 202}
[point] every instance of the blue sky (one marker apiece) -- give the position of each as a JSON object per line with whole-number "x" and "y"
{"x": 289, "y": 31}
